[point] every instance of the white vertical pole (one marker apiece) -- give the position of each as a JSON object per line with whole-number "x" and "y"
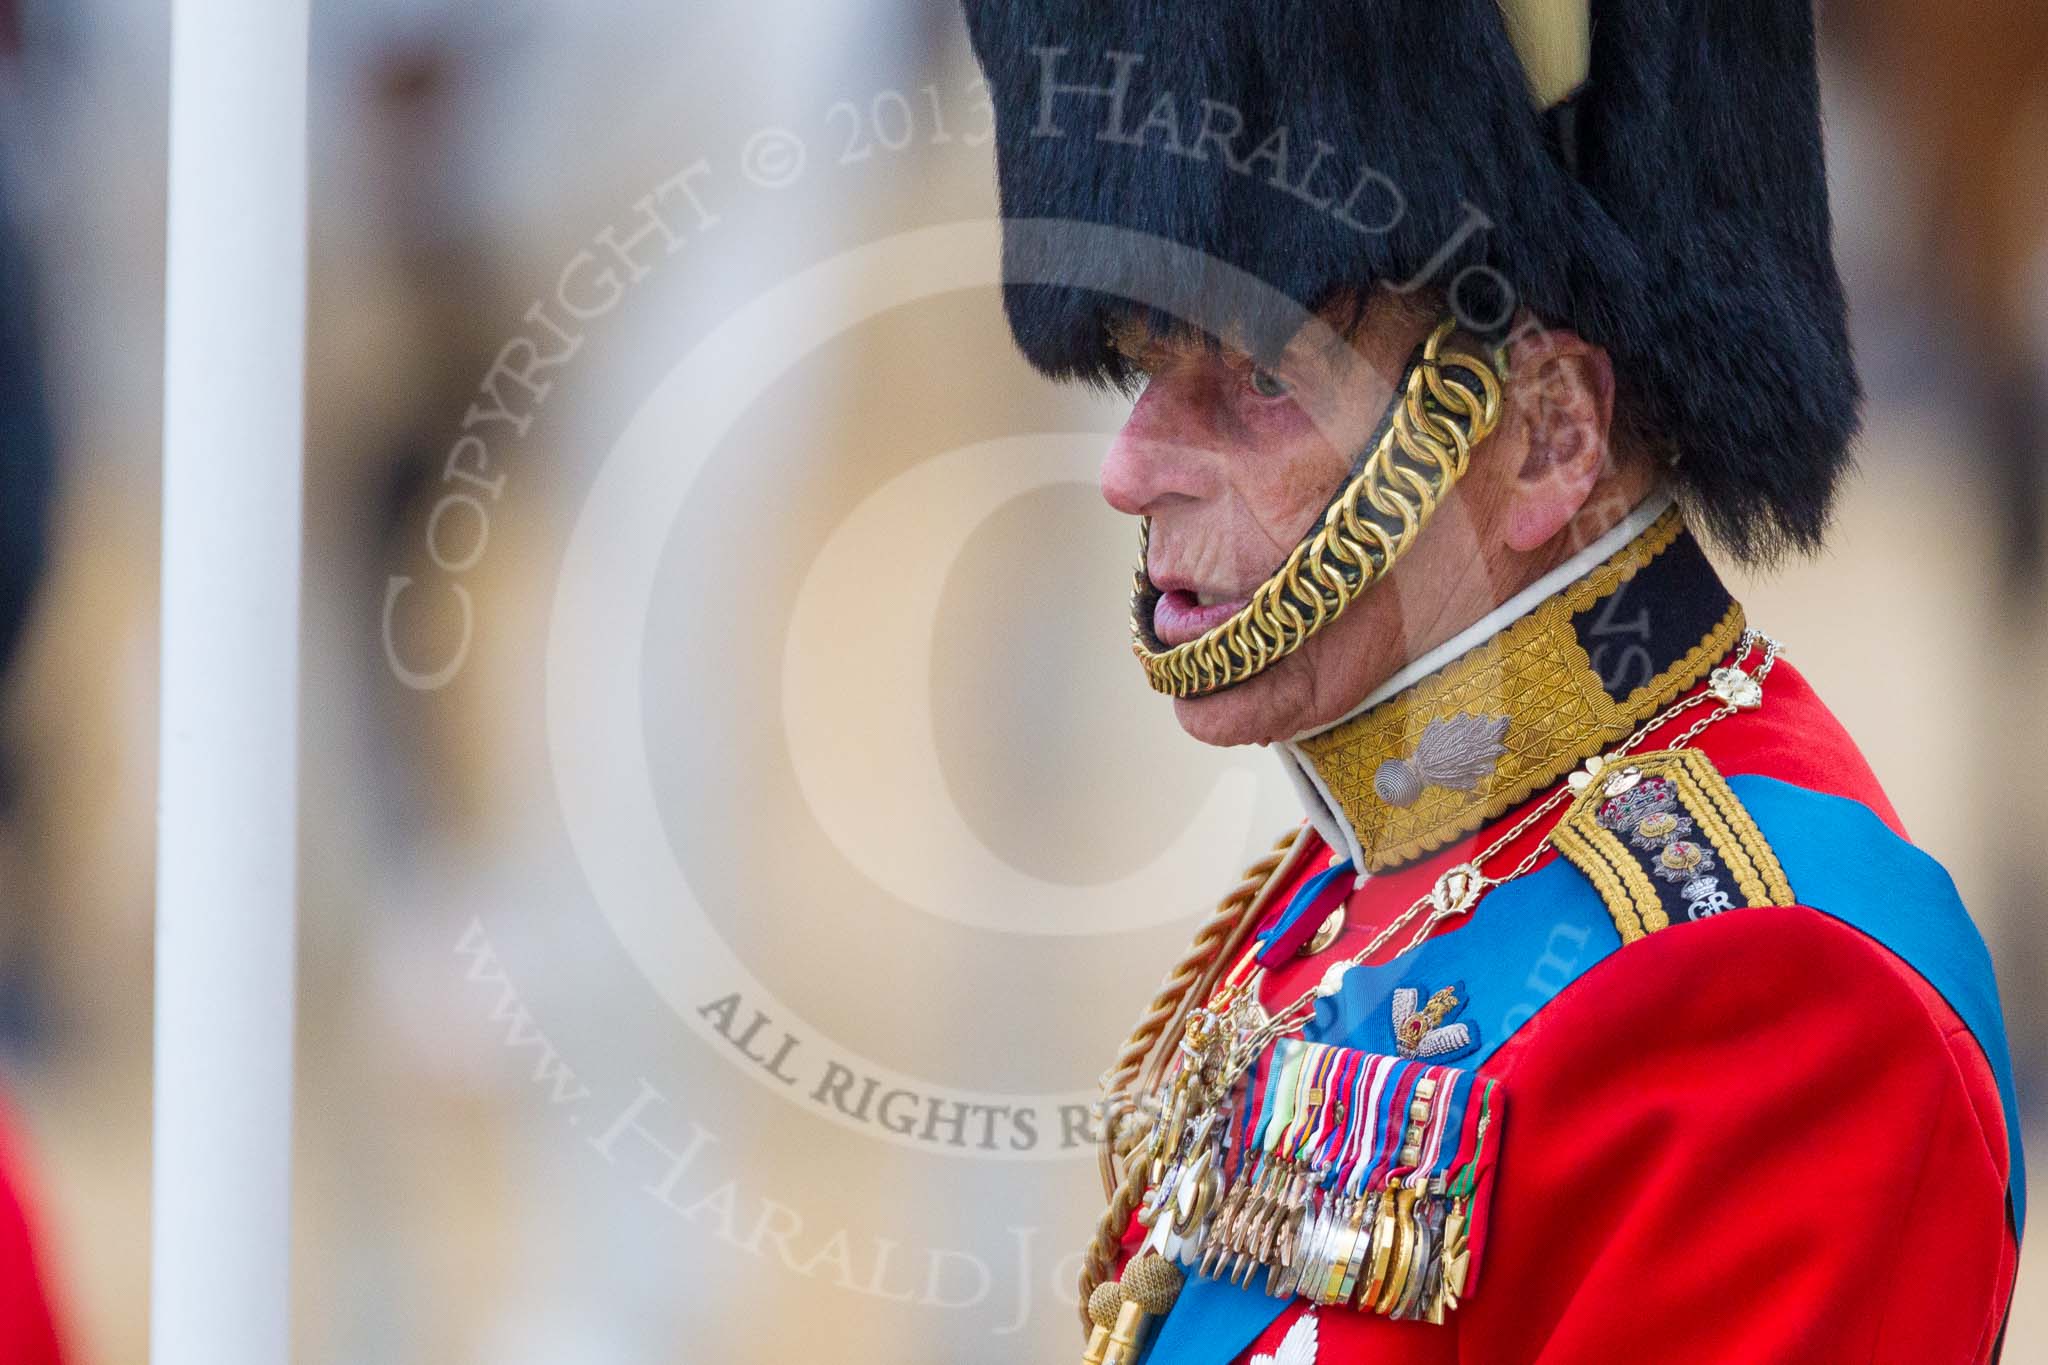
{"x": 234, "y": 359}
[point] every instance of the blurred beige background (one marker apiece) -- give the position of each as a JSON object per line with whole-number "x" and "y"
{"x": 459, "y": 975}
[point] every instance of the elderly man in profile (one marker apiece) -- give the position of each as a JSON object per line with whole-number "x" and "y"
{"x": 1600, "y": 1007}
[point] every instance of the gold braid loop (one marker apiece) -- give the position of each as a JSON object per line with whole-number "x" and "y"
{"x": 1449, "y": 401}
{"x": 1142, "y": 1058}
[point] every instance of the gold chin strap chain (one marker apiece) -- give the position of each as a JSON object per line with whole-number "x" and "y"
{"x": 1449, "y": 401}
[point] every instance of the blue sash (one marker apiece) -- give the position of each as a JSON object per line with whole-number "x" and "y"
{"x": 1528, "y": 940}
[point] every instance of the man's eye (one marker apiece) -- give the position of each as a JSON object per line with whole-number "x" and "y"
{"x": 1266, "y": 384}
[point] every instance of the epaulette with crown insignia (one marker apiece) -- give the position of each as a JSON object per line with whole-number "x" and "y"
{"x": 1664, "y": 840}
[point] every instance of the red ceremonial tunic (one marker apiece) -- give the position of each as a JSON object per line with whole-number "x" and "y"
{"x": 1759, "y": 1137}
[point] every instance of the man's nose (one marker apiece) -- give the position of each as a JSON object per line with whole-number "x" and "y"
{"x": 1165, "y": 452}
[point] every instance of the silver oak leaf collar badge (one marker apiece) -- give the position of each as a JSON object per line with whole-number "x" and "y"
{"x": 1458, "y": 751}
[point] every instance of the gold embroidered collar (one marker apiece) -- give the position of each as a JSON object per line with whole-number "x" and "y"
{"x": 1511, "y": 716}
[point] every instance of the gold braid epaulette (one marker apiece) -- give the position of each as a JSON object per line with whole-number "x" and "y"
{"x": 1676, "y": 842}
{"x": 1140, "y": 1061}
{"x": 1449, "y": 401}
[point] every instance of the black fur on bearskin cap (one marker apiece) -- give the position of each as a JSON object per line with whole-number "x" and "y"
{"x": 1298, "y": 153}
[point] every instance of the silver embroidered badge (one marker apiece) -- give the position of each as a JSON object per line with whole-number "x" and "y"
{"x": 1458, "y": 751}
{"x": 1425, "y": 1031}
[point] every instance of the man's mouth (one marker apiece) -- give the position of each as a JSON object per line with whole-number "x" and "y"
{"x": 1183, "y": 614}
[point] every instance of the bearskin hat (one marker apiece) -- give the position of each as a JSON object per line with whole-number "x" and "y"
{"x": 1660, "y": 191}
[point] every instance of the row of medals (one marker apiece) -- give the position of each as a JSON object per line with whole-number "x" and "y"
{"x": 1401, "y": 1251}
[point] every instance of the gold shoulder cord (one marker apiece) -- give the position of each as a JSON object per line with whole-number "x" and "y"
{"x": 1139, "y": 1061}
{"x": 1449, "y": 401}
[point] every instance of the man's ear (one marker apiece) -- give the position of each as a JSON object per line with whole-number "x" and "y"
{"x": 1561, "y": 393}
